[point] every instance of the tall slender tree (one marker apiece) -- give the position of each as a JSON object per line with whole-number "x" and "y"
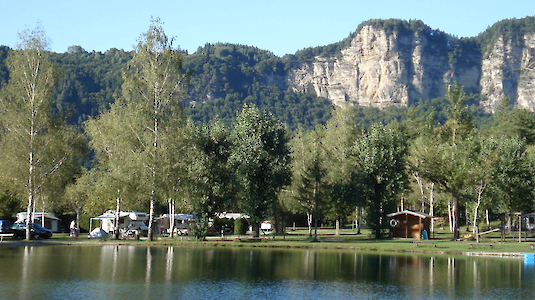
{"x": 260, "y": 158}
{"x": 139, "y": 137}
{"x": 309, "y": 183}
{"x": 339, "y": 136}
{"x": 27, "y": 118}
{"x": 154, "y": 81}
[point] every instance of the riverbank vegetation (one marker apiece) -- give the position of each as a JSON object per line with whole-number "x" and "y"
{"x": 298, "y": 238}
{"x": 143, "y": 150}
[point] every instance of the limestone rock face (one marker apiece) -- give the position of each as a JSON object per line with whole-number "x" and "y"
{"x": 380, "y": 69}
{"x": 509, "y": 70}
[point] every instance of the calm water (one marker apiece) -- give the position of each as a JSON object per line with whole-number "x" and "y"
{"x": 129, "y": 272}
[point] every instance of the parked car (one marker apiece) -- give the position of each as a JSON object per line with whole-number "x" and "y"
{"x": 37, "y": 231}
{"x": 5, "y": 226}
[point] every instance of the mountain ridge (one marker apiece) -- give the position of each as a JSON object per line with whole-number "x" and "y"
{"x": 382, "y": 63}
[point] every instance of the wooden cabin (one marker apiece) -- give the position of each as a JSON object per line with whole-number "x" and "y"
{"x": 409, "y": 224}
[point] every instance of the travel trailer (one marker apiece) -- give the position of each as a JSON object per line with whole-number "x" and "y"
{"x": 181, "y": 223}
{"x": 132, "y": 221}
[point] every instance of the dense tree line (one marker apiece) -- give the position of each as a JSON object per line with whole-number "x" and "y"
{"x": 232, "y": 138}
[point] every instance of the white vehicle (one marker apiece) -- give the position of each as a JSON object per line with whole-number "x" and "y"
{"x": 181, "y": 223}
{"x": 266, "y": 225}
{"x": 130, "y": 223}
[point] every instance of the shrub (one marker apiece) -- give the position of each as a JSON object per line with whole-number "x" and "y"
{"x": 240, "y": 226}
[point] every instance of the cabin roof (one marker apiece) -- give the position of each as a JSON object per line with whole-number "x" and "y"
{"x": 410, "y": 212}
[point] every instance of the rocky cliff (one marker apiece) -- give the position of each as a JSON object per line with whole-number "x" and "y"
{"x": 382, "y": 67}
{"x": 509, "y": 70}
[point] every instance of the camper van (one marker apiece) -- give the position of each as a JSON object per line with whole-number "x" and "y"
{"x": 181, "y": 223}
{"x": 133, "y": 222}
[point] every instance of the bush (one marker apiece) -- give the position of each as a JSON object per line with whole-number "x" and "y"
{"x": 199, "y": 229}
{"x": 240, "y": 226}
{"x": 223, "y": 224}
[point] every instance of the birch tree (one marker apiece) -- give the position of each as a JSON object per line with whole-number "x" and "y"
{"x": 139, "y": 136}
{"x": 28, "y": 131}
{"x": 153, "y": 80}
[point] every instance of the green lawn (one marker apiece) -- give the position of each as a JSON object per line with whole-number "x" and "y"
{"x": 348, "y": 239}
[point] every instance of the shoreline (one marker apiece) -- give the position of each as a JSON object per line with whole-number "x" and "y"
{"x": 377, "y": 246}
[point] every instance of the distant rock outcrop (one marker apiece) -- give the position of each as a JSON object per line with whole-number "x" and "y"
{"x": 381, "y": 68}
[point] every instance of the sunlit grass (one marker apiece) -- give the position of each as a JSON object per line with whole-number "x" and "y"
{"x": 348, "y": 239}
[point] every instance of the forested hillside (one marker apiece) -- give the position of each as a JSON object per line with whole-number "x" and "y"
{"x": 223, "y": 129}
{"x": 222, "y": 77}
{"x": 225, "y": 76}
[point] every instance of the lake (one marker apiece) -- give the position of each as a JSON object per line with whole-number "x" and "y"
{"x": 139, "y": 272}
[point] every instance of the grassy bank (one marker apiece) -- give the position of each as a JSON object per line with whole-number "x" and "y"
{"x": 348, "y": 239}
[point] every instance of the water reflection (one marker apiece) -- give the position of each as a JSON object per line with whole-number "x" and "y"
{"x": 168, "y": 272}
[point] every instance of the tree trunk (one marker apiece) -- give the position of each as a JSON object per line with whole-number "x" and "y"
{"x": 455, "y": 217}
{"x": 487, "y": 220}
{"x": 432, "y": 205}
{"x": 117, "y": 209}
{"x": 478, "y": 203}
{"x": 316, "y": 228}
{"x": 171, "y": 217}
{"x": 509, "y": 224}
{"x": 309, "y": 222}
{"x": 154, "y": 160}
{"x": 151, "y": 216}
{"x": 31, "y": 189}
{"x": 359, "y": 220}
{"x": 337, "y": 226}
{"x": 450, "y": 217}
{"x": 29, "y": 214}
{"x": 467, "y": 217}
{"x": 421, "y": 186}
{"x": 256, "y": 229}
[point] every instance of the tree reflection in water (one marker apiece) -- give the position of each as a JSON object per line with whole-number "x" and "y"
{"x": 256, "y": 273}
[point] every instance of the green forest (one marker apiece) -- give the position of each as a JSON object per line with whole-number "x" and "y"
{"x": 219, "y": 130}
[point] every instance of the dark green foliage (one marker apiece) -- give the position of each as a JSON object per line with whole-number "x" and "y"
{"x": 225, "y": 76}
{"x": 260, "y": 159}
{"x": 223, "y": 225}
{"x": 515, "y": 122}
{"x": 380, "y": 159}
{"x": 513, "y": 177}
{"x": 240, "y": 226}
{"x": 210, "y": 176}
{"x": 4, "y": 72}
{"x": 90, "y": 81}
{"x": 9, "y": 204}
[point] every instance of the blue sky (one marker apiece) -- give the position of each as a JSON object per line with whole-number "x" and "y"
{"x": 280, "y": 26}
